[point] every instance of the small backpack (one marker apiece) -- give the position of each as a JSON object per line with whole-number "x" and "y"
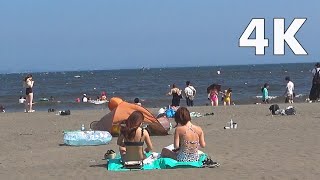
{"x": 290, "y": 111}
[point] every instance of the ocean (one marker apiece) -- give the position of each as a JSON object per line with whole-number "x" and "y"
{"x": 151, "y": 85}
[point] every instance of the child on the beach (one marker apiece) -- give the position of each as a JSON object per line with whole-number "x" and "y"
{"x": 137, "y": 101}
{"x": 227, "y": 97}
{"x": 289, "y": 91}
{"x": 213, "y": 96}
{"x": 265, "y": 93}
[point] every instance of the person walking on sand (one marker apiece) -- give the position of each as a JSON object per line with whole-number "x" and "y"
{"x": 213, "y": 97}
{"x": 227, "y": 97}
{"x": 176, "y": 95}
{"x": 289, "y": 91}
{"x": 190, "y": 93}
{"x": 265, "y": 93}
{"x": 28, "y": 84}
{"x": 315, "y": 89}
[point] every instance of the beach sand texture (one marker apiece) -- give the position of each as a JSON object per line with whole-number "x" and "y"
{"x": 263, "y": 146}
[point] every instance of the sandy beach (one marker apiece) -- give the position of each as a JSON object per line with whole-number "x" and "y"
{"x": 262, "y": 147}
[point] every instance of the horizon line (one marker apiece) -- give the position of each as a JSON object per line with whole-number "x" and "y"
{"x": 144, "y": 67}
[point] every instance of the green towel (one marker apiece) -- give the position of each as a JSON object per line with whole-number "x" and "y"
{"x": 161, "y": 163}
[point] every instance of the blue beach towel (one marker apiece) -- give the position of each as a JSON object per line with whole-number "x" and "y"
{"x": 161, "y": 163}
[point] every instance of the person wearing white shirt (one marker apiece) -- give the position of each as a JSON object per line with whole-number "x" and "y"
{"x": 289, "y": 91}
{"x": 190, "y": 93}
{"x": 84, "y": 98}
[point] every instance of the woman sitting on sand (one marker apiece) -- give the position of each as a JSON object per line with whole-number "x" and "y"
{"x": 132, "y": 138}
{"x": 187, "y": 138}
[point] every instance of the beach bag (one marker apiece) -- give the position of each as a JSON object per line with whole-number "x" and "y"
{"x": 166, "y": 124}
{"x": 170, "y": 113}
{"x": 274, "y": 108}
{"x": 316, "y": 78}
{"x": 65, "y": 113}
{"x": 290, "y": 111}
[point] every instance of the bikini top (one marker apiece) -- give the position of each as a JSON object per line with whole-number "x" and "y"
{"x": 127, "y": 143}
{"x": 186, "y": 142}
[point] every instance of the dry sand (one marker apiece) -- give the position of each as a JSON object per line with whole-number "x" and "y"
{"x": 263, "y": 147}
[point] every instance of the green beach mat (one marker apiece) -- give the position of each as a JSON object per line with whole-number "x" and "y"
{"x": 161, "y": 163}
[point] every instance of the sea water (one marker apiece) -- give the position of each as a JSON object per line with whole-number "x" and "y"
{"x": 151, "y": 85}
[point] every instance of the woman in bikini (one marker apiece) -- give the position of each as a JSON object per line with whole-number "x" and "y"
{"x": 28, "y": 84}
{"x": 176, "y": 95}
{"x": 227, "y": 97}
{"x": 132, "y": 138}
{"x": 187, "y": 138}
{"x": 213, "y": 96}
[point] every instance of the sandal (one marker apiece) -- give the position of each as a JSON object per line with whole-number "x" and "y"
{"x": 209, "y": 114}
{"x": 210, "y": 163}
{"x": 110, "y": 154}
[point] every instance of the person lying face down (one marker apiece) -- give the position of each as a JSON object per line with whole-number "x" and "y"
{"x": 187, "y": 138}
{"x": 133, "y": 137}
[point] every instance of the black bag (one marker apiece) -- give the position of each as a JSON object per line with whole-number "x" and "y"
{"x": 64, "y": 113}
{"x": 273, "y": 108}
{"x": 51, "y": 110}
{"x": 290, "y": 111}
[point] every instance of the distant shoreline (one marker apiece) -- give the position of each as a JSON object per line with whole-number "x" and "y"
{"x": 150, "y": 68}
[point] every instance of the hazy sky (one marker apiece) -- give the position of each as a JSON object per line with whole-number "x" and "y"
{"x": 44, "y": 35}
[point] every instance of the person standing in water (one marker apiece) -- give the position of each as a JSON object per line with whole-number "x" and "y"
{"x": 28, "y": 84}
{"x": 176, "y": 95}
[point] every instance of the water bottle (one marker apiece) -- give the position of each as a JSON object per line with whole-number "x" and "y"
{"x": 231, "y": 124}
{"x": 82, "y": 127}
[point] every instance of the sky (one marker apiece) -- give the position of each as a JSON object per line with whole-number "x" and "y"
{"x": 50, "y": 35}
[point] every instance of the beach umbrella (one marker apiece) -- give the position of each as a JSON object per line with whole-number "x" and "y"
{"x": 214, "y": 86}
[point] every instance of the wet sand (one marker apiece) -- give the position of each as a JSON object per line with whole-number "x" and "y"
{"x": 262, "y": 147}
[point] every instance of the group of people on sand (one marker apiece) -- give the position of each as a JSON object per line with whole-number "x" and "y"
{"x": 190, "y": 92}
{"x": 176, "y": 93}
{"x": 213, "y": 96}
{"x": 288, "y": 94}
{"x": 187, "y": 140}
